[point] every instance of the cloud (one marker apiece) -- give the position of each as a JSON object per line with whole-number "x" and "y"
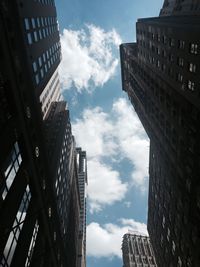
{"x": 88, "y": 59}
{"x": 105, "y": 186}
{"x": 116, "y": 135}
{"x": 106, "y": 240}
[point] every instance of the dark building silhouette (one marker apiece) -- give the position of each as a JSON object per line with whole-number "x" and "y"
{"x": 40, "y": 200}
{"x": 137, "y": 251}
{"x": 160, "y": 73}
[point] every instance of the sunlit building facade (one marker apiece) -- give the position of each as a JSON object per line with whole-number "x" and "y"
{"x": 137, "y": 251}
{"x": 82, "y": 183}
{"x": 160, "y": 73}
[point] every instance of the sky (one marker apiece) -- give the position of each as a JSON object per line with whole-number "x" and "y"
{"x": 104, "y": 122}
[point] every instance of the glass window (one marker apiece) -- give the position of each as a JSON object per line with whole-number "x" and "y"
{"x": 35, "y": 36}
{"x": 193, "y": 48}
{"x": 15, "y": 160}
{"x": 45, "y": 67}
{"x": 38, "y": 22}
{"x": 33, "y": 23}
{"x": 191, "y": 85}
{"x": 192, "y": 67}
{"x": 34, "y": 65}
{"x": 171, "y": 42}
{"x": 44, "y": 57}
{"x": 180, "y": 62}
{"x": 32, "y": 244}
{"x": 42, "y": 21}
{"x": 40, "y": 34}
{"x": 26, "y": 22}
{"x": 40, "y": 61}
{"x": 42, "y": 73}
{"x": 29, "y": 37}
{"x": 179, "y": 77}
{"x": 37, "y": 80}
{"x": 49, "y": 212}
{"x": 181, "y": 44}
{"x": 16, "y": 229}
{"x": 44, "y": 33}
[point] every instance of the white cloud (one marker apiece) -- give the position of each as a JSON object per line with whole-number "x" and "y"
{"x": 106, "y": 240}
{"x": 87, "y": 57}
{"x": 94, "y": 132}
{"x": 116, "y": 135}
{"x": 105, "y": 186}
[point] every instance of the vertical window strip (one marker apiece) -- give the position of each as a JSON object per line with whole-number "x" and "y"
{"x": 16, "y": 229}
{"x": 32, "y": 244}
{"x": 11, "y": 171}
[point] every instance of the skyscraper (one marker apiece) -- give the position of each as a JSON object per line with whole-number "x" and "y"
{"x": 137, "y": 251}
{"x": 82, "y": 182}
{"x": 160, "y": 73}
{"x": 40, "y": 200}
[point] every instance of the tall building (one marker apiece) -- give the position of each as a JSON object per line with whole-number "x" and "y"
{"x": 137, "y": 251}
{"x": 160, "y": 73}
{"x": 180, "y": 7}
{"x": 40, "y": 200}
{"x": 82, "y": 182}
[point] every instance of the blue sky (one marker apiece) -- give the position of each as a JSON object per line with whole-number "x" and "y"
{"x": 103, "y": 121}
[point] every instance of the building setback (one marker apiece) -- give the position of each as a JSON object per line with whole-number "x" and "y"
{"x": 40, "y": 200}
{"x": 160, "y": 73}
{"x": 137, "y": 251}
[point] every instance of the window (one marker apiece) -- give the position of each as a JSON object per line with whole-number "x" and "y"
{"x": 16, "y": 229}
{"x": 29, "y": 37}
{"x": 171, "y": 42}
{"x": 49, "y": 212}
{"x": 42, "y": 73}
{"x": 171, "y": 57}
{"x": 35, "y": 36}
{"x": 191, "y": 85}
{"x": 163, "y": 222}
{"x": 12, "y": 169}
{"x": 180, "y": 61}
{"x": 193, "y": 48}
{"x": 179, "y": 263}
{"x": 38, "y": 22}
{"x": 40, "y": 34}
{"x": 168, "y": 234}
{"x": 34, "y": 65}
{"x": 40, "y": 61}
{"x": 164, "y": 39}
{"x": 33, "y": 23}
{"x": 26, "y": 23}
{"x": 179, "y": 77}
{"x": 181, "y": 44}
{"x": 173, "y": 247}
{"x": 32, "y": 245}
{"x": 37, "y": 80}
{"x": 192, "y": 67}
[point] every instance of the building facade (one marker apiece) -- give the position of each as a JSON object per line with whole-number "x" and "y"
{"x": 82, "y": 182}
{"x": 160, "y": 74}
{"x": 179, "y": 7}
{"x": 40, "y": 199}
{"x": 137, "y": 251}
